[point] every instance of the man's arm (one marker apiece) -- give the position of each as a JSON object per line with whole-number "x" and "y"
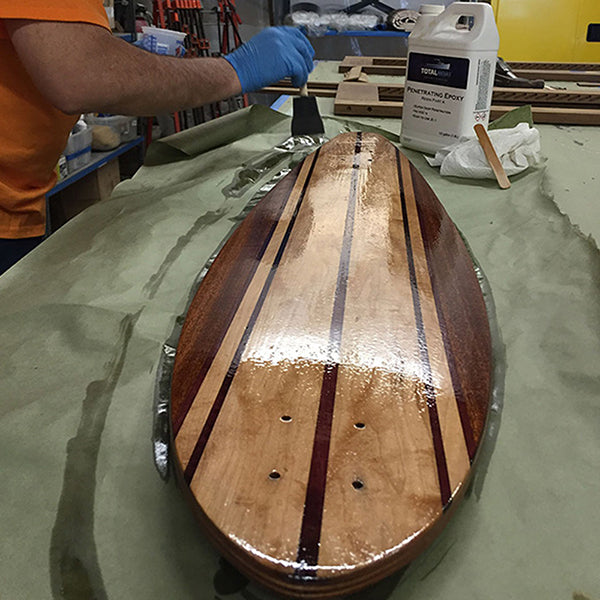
{"x": 82, "y": 68}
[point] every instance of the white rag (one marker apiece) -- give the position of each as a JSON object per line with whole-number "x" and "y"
{"x": 517, "y": 148}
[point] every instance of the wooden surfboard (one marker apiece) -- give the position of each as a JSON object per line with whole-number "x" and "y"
{"x": 332, "y": 379}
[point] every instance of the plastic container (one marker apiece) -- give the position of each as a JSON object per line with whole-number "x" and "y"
{"x": 124, "y": 128}
{"x": 128, "y": 129}
{"x": 79, "y": 150}
{"x": 163, "y": 41}
{"x": 115, "y": 122}
{"x": 62, "y": 168}
{"x": 450, "y": 75}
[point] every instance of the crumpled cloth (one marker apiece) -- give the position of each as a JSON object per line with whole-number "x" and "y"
{"x": 518, "y": 148}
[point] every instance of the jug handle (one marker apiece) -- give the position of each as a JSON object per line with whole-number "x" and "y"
{"x": 466, "y": 9}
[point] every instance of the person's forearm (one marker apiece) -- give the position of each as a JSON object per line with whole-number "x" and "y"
{"x": 105, "y": 74}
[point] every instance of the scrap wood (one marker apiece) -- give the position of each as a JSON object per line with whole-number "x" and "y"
{"x": 356, "y": 74}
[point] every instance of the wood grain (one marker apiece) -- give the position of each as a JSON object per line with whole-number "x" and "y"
{"x": 332, "y": 379}
{"x": 394, "y": 93}
{"x": 381, "y": 65}
{"x": 492, "y": 156}
{"x": 352, "y": 61}
{"x": 561, "y": 106}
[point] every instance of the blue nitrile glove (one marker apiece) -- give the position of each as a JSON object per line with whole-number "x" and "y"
{"x": 273, "y": 54}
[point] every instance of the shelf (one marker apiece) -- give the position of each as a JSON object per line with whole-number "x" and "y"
{"x": 98, "y": 160}
{"x": 369, "y": 33}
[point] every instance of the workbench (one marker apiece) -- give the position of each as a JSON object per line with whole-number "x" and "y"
{"x": 84, "y": 321}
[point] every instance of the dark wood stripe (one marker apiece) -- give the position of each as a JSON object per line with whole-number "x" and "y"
{"x": 233, "y": 367}
{"x": 310, "y": 533}
{"x": 463, "y": 307}
{"x": 233, "y": 289}
{"x": 463, "y": 410}
{"x": 434, "y": 420}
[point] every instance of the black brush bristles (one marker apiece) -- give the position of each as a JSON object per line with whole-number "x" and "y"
{"x": 306, "y": 119}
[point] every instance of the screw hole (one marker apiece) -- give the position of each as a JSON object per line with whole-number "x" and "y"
{"x": 358, "y": 484}
{"x": 286, "y": 418}
{"x": 274, "y": 475}
{"x": 359, "y": 425}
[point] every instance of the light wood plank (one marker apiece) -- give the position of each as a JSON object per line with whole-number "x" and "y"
{"x": 280, "y": 375}
{"x": 392, "y": 456}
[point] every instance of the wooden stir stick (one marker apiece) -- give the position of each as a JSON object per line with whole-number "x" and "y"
{"x": 492, "y": 157}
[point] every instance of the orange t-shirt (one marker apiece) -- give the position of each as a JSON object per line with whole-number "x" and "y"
{"x": 32, "y": 132}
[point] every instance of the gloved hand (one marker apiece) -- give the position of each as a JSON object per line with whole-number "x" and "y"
{"x": 271, "y": 55}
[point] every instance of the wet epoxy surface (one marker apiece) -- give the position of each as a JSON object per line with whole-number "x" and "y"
{"x": 332, "y": 378}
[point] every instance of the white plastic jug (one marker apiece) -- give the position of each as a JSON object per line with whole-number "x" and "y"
{"x": 449, "y": 76}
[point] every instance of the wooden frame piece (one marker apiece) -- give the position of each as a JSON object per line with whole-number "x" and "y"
{"x": 566, "y": 107}
{"x": 325, "y": 89}
{"x": 394, "y": 92}
{"x": 583, "y": 72}
{"x": 376, "y": 101}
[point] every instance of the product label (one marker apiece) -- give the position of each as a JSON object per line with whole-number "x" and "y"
{"x": 444, "y": 96}
{"x": 447, "y": 71}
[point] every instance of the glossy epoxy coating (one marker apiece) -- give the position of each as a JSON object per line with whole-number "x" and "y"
{"x": 332, "y": 378}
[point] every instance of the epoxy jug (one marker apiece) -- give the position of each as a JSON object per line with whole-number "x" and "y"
{"x": 449, "y": 76}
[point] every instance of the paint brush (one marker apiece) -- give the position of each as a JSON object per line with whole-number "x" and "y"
{"x": 306, "y": 119}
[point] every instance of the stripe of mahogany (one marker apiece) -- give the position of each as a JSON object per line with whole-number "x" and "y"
{"x": 219, "y": 295}
{"x": 434, "y": 420}
{"x": 461, "y": 312}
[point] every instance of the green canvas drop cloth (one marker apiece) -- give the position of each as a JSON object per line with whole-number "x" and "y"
{"x": 83, "y": 319}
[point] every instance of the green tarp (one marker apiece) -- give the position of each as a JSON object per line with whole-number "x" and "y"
{"x": 83, "y": 319}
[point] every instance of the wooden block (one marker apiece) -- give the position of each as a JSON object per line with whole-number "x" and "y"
{"x": 332, "y": 379}
{"x": 363, "y": 99}
{"x": 107, "y": 178}
{"x": 95, "y": 187}
{"x": 356, "y": 74}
